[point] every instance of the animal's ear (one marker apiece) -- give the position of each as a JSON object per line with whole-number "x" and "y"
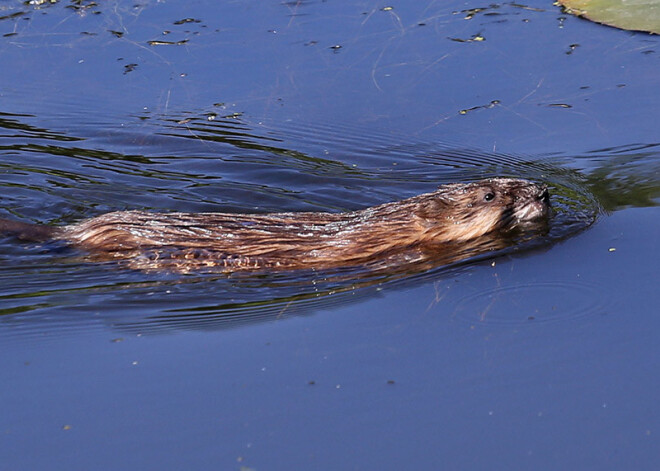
{"x": 431, "y": 210}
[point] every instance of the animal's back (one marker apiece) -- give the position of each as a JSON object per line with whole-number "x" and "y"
{"x": 397, "y": 232}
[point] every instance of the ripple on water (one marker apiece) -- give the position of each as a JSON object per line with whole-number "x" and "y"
{"x": 531, "y": 303}
{"x": 234, "y": 166}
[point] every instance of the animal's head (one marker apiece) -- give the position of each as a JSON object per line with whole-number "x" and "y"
{"x": 466, "y": 211}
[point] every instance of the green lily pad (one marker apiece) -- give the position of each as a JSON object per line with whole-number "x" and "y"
{"x": 636, "y": 15}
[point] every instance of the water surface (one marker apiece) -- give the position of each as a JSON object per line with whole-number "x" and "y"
{"x": 540, "y": 356}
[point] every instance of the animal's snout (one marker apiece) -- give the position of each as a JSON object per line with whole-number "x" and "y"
{"x": 543, "y": 195}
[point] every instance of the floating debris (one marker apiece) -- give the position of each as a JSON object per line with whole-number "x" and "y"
{"x": 187, "y": 20}
{"x": 476, "y": 38}
{"x": 492, "y": 104}
{"x": 167, "y": 43}
{"x": 572, "y": 48}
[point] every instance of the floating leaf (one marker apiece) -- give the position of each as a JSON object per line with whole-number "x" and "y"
{"x": 636, "y": 15}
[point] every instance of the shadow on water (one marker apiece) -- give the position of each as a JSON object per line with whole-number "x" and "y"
{"x": 49, "y": 286}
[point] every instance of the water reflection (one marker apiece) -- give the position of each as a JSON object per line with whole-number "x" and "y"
{"x": 626, "y": 176}
{"x": 12, "y": 121}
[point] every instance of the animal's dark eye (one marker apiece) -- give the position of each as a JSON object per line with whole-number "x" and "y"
{"x": 489, "y": 197}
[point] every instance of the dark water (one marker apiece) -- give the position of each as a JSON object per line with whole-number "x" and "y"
{"x": 539, "y": 356}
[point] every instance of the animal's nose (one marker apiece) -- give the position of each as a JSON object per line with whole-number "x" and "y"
{"x": 543, "y": 195}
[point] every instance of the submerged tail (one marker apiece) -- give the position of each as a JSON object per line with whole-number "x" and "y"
{"x": 26, "y": 231}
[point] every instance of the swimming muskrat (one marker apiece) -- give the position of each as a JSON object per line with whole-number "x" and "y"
{"x": 401, "y": 231}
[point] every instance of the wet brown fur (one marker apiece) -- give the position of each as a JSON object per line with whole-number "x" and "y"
{"x": 406, "y": 230}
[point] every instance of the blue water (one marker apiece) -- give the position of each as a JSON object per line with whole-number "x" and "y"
{"x": 539, "y": 358}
